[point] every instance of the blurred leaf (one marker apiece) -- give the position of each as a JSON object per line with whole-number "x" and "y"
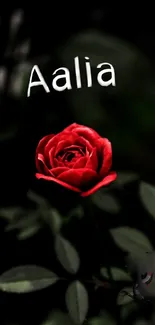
{"x": 147, "y": 195}
{"x": 48, "y": 214}
{"x": 142, "y": 322}
{"x": 24, "y": 220}
{"x": 18, "y": 225}
{"x": 58, "y": 318}
{"x": 27, "y": 225}
{"x": 95, "y": 43}
{"x": 153, "y": 317}
{"x": 77, "y": 301}
{"x": 11, "y": 213}
{"x": 38, "y": 199}
{"x": 101, "y": 47}
{"x": 123, "y": 297}
{"x": 16, "y": 20}
{"x": 124, "y": 178}
{"x": 126, "y": 310}
{"x": 103, "y": 319}
{"x": 3, "y": 77}
{"x": 21, "y": 51}
{"x": 55, "y": 220}
{"x": 28, "y": 278}
{"x": 19, "y": 79}
{"x": 106, "y": 202}
{"x": 77, "y": 212}
{"x": 28, "y": 232}
{"x": 66, "y": 254}
{"x": 9, "y": 132}
{"x": 131, "y": 240}
{"x": 117, "y": 274}
{"x": 91, "y": 114}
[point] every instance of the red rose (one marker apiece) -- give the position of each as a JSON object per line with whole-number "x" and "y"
{"x": 76, "y": 158}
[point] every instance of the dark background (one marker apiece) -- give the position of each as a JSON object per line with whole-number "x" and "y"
{"x": 51, "y": 37}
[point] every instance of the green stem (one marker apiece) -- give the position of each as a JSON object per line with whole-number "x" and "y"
{"x": 90, "y": 219}
{"x": 97, "y": 233}
{"x": 94, "y": 281}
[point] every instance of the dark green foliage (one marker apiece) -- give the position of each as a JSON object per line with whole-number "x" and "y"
{"x": 58, "y": 264}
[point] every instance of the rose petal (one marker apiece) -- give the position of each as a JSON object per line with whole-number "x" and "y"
{"x": 42, "y": 143}
{"x": 58, "y": 163}
{"x": 41, "y": 165}
{"x": 79, "y": 177}
{"x": 62, "y": 145}
{"x": 106, "y": 156}
{"x": 107, "y": 180}
{"x": 92, "y": 161}
{"x": 80, "y": 163}
{"x": 50, "y": 178}
{"x": 66, "y": 136}
{"x": 53, "y": 142}
{"x": 51, "y": 158}
{"x": 87, "y": 133}
{"x": 70, "y": 164}
{"x": 73, "y": 147}
{"x": 71, "y": 127}
{"x": 58, "y": 170}
{"x": 84, "y": 143}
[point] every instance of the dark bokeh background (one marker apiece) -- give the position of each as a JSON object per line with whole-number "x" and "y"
{"x": 51, "y": 37}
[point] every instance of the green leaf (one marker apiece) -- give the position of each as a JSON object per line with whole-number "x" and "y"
{"x": 67, "y": 254}
{"x": 9, "y": 132}
{"x": 124, "y": 178}
{"x": 126, "y": 310}
{"x": 58, "y": 318}
{"x": 21, "y": 222}
{"x": 39, "y": 200}
{"x": 77, "y": 301}
{"x": 96, "y": 113}
{"x": 27, "y": 278}
{"x": 103, "y": 319}
{"x": 28, "y": 232}
{"x": 106, "y": 202}
{"x": 141, "y": 322}
{"x": 123, "y": 297}
{"x": 131, "y": 240}
{"x": 55, "y": 220}
{"x": 77, "y": 212}
{"x": 117, "y": 274}
{"x": 11, "y": 213}
{"x": 147, "y": 195}
{"x": 95, "y": 43}
{"x": 19, "y": 79}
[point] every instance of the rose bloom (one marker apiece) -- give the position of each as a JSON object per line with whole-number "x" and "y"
{"x": 77, "y": 158}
